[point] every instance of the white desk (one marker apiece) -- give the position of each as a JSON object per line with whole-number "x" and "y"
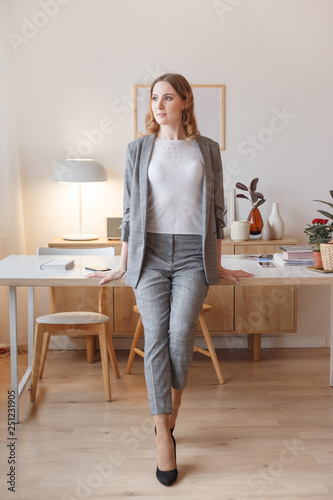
{"x": 23, "y": 270}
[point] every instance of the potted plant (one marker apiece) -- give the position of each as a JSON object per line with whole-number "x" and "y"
{"x": 326, "y": 252}
{"x": 256, "y": 199}
{"x": 318, "y": 232}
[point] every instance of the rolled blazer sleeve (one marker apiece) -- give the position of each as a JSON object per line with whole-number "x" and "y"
{"x": 125, "y": 225}
{"x": 218, "y": 194}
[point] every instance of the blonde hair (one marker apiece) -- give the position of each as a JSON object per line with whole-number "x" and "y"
{"x": 183, "y": 89}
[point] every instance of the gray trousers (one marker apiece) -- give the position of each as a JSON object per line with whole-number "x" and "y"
{"x": 173, "y": 267}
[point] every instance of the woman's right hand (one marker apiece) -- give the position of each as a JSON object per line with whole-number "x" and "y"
{"x": 106, "y": 276}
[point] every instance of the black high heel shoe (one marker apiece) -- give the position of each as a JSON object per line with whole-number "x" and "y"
{"x": 168, "y": 477}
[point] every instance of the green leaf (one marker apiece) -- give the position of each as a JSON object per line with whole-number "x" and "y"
{"x": 326, "y": 214}
{"x": 260, "y": 202}
{"x": 327, "y": 203}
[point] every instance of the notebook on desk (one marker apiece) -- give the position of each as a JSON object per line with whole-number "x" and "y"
{"x": 61, "y": 264}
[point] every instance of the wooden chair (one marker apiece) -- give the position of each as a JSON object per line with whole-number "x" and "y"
{"x": 75, "y": 322}
{"x": 210, "y": 351}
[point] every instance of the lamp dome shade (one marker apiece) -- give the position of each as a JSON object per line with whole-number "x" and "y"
{"x": 79, "y": 170}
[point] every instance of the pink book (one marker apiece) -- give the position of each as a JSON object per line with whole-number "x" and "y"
{"x": 298, "y": 255}
{"x": 297, "y": 251}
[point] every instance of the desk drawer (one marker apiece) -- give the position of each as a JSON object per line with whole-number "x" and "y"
{"x": 266, "y": 309}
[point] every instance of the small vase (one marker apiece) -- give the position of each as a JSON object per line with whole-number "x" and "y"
{"x": 255, "y": 221}
{"x": 317, "y": 259}
{"x": 240, "y": 230}
{"x": 266, "y": 232}
{"x": 276, "y": 222}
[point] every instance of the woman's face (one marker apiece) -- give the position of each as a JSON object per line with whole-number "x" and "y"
{"x": 167, "y": 105}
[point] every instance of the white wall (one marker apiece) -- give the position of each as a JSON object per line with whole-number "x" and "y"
{"x": 79, "y": 67}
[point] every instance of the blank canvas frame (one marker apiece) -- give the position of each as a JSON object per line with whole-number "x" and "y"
{"x": 209, "y": 108}
{"x": 229, "y": 210}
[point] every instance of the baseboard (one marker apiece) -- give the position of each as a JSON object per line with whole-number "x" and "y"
{"x": 286, "y": 341}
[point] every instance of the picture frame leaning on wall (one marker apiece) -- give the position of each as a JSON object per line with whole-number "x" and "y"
{"x": 229, "y": 209}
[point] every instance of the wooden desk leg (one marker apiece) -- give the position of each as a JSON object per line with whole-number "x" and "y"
{"x": 256, "y": 346}
{"x": 91, "y": 342}
{"x": 249, "y": 342}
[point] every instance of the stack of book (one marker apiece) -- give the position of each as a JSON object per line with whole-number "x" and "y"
{"x": 295, "y": 255}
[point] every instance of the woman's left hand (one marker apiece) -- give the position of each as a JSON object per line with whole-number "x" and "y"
{"x": 233, "y": 275}
{"x": 106, "y": 276}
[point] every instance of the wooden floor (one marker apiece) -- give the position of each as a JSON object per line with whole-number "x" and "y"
{"x": 266, "y": 434}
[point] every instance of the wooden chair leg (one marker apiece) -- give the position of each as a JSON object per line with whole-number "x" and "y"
{"x": 38, "y": 344}
{"x": 135, "y": 342}
{"x": 112, "y": 352}
{"x": 105, "y": 360}
{"x": 45, "y": 348}
{"x": 211, "y": 349}
{"x": 91, "y": 346}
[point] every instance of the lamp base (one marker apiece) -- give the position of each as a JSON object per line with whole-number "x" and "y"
{"x": 80, "y": 237}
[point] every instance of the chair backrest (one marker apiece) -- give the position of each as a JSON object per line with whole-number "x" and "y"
{"x": 71, "y": 299}
{"x": 75, "y": 251}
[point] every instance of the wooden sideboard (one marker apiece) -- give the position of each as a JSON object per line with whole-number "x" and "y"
{"x": 236, "y": 311}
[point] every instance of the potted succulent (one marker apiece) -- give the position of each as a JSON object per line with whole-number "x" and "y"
{"x": 318, "y": 232}
{"x": 257, "y": 199}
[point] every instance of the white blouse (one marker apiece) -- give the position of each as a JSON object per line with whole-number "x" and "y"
{"x": 175, "y": 188}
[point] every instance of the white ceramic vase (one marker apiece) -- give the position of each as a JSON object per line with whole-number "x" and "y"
{"x": 266, "y": 232}
{"x": 276, "y": 222}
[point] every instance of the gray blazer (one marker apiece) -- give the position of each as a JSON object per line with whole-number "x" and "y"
{"x": 136, "y": 198}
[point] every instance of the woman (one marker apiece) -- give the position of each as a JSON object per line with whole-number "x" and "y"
{"x": 171, "y": 232}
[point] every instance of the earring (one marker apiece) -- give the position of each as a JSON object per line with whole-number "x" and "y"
{"x": 184, "y": 116}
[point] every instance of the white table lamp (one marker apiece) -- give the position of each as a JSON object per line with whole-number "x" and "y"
{"x": 79, "y": 170}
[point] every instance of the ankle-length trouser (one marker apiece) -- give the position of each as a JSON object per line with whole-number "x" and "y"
{"x": 173, "y": 267}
